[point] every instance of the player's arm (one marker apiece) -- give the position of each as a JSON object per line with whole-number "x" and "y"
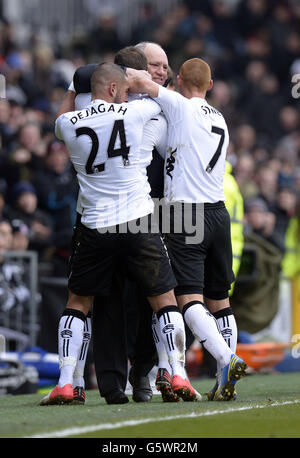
{"x": 81, "y": 84}
{"x": 155, "y": 136}
{"x": 150, "y": 136}
{"x": 162, "y": 137}
{"x": 140, "y": 82}
{"x": 68, "y": 103}
{"x": 171, "y": 102}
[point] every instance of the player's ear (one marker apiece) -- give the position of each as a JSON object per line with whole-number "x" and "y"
{"x": 112, "y": 89}
{"x": 211, "y": 83}
{"x": 179, "y": 80}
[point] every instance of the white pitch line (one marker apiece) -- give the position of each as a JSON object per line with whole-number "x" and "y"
{"x": 106, "y": 426}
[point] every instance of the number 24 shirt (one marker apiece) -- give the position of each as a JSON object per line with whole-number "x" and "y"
{"x": 104, "y": 142}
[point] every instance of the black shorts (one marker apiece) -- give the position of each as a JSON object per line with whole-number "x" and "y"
{"x": 206, "y": 267}
{"x": 96, "y": 258}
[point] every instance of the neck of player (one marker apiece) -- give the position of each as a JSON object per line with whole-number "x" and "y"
{"x": 191, "y": 93}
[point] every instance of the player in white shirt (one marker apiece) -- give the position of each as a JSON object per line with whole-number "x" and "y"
{"x": 110, "y": 365}
{"x": 153, "y": 149}
{"x": 195, "y": 166}
{"x": 104, "y": 145}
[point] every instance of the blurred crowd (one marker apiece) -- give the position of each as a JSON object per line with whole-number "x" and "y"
{"x": 253, "y": 47}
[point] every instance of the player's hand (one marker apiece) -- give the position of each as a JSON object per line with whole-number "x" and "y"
{"x": 136, "y": 79}
{"x": 132, "y": 73}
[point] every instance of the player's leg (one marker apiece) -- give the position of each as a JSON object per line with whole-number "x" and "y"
{"x": 70, "y": 339}
{"x": 162, "y": 354}
{"x": 91, "y": 272}
{"x": 173, "y": 336}
{"x": 223, "y": 313}
{"x": 218, "y": 279}
{"x": 148, "y": 263}
{"x": 163, "y": 380}
{"x": 143, "y": 354}
{"x": 203, "y": 325}
{"x": 189, "y": 265}
{"x": 110, "y": 344}
{"x": 78, "y": 376}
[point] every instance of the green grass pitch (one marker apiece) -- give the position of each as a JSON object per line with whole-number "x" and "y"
{"x": 268, "y": 406}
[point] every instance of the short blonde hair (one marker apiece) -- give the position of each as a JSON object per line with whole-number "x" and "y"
{"x": 195, "y": 73}
{"x": 104, "y": 74}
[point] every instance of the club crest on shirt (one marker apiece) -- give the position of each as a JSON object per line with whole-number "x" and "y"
{"x": 170, "y": 163}
{"x": 168, "y": 328}
{"x": 66, "y": 334}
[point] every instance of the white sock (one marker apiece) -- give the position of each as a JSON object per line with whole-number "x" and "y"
{"x": 173, "y": 336}
{"x": 227, "y": 326}
{"x": 70, "y": 336}
{"x": 163, "y": 360}
{"x": 78, "y": 376}
{"x": 204, "y": 327}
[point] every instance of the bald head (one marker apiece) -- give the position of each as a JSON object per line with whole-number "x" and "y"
{"x": 157, "y": 60}
{"x": 195, "y": 76}
{"x": 109, "y": 82}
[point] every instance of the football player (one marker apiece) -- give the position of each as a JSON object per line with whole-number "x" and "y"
{"x": 195, "y": 165}
{"x": 104, "y": 142}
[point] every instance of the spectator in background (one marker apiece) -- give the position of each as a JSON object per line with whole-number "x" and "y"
{"x": 148, "y": 21}
{"x": 223, "y": 99}
{"x": 251, "y": 16}
{"x": 267, "y": 181}
{"x": 244, "y": 139}
{"x": 4, "y": 208}
{"x": 104, "y": 36}
{"x": 244, "y": 175}
{"x": 20, "y": 231}
{"x": 7, "y": 299}
{"x": 260, "y": 221}
{"x": 7, "y": 129}
{"x": 291, "y": 260}
{"x": 14, "y": 291}
{"x": 25, "y": 208}
{"x": 25, "y": 156}
{"x": 284, "y": 210}
{"x": 57, "y": 190}
{"x": 5, "y": 236}
{"x": 289, "y": 121}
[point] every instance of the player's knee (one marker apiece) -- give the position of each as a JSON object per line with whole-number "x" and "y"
{"x": 80, "y": 303}
{"x": 216, "y": 295}
{"x": 162, "y": 300}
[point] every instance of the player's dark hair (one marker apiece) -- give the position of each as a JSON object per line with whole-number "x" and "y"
{"x": 131, "y": 57}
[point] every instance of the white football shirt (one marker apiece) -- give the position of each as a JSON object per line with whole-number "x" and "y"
{"x": 104, "y": 141}
{"x": 197, "y": 143}
{"x": 154, "y": 135}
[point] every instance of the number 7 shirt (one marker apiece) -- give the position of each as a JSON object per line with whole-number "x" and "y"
{"x": 104, "y": 142}
{"x": 196, "y": 149}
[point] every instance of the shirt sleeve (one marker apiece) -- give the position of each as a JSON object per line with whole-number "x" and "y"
{"x": 155, "y": 135}
{"x": 172, "y": 104}
{"x": 82, "y": 100}
{"x": 147, "y": 108}
{"x": 58, "y": 126}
